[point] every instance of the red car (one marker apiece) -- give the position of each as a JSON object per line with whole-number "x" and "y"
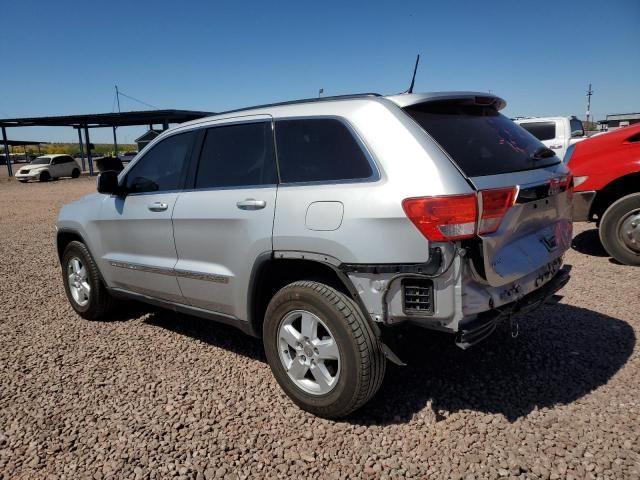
{"x": 606, "y": 170}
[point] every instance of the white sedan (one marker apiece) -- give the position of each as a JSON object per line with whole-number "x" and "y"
{"x": 49, "y": 167}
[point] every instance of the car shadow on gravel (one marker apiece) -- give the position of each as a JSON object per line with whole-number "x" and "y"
{"x": 588, "y": 243}
{"x": 208, "y": 331}
{"x": 128, "y": 310}
{"x": 562, "y": 353}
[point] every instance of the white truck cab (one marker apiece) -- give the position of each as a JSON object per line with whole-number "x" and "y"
{"x": 557, "y": 133}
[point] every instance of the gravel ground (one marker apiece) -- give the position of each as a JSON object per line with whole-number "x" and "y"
{"x": 156, "y": 395}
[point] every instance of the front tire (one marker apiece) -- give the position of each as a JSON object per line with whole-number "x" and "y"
{"x": 321, "y": 349}
{"x": 22, "y": 181}
{"x": 620, "y": 229}
{"x": 45, "y": 177}
{"x": 82, "y": 283}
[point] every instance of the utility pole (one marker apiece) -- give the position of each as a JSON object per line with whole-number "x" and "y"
{"x": 589, "y": 93}
{"x": 118, "y": 98}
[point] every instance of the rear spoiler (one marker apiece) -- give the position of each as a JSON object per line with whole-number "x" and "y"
{"x": 472, "y": 98}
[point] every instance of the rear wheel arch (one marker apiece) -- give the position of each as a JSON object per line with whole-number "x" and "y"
{"x": 614, "y": 191}
{"x": 271, "y": 274}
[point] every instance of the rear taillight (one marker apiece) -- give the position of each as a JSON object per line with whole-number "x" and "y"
{"x": 495, "y": 203}
{"x": 444, "y": 218}
{"x": 455, "y": 217}
{"x": 562, "y": 184}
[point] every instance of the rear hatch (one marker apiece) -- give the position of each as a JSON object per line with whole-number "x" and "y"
{"x": 525, "y": 188}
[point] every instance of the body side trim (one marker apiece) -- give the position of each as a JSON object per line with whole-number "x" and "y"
{"x": 171, "y": 271}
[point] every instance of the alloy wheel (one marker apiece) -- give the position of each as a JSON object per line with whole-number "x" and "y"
{"x": 78, "y": 281}
{"x": 309, "y": 352}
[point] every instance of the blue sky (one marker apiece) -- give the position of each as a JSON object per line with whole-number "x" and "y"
{"x": 64, "y": 57}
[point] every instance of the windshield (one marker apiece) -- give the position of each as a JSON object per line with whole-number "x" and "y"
{"x": 479, "y": 139}
{"x": 41, "y": 161}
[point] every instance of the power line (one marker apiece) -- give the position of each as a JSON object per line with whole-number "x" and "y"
{"x": 119, "y": 93}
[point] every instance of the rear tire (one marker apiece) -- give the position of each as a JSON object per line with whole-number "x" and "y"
{"x": 22, "y": 181}
{"x": 357, "y": 373}
{"x": 75, "y": 173}
{"x": 45, "y": 176}
{"x": 82, "y": 283}
{"x": 620, "y": 229}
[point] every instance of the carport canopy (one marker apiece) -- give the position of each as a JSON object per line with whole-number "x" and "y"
{"x": 24, "y": 143}
{"x": 98, "y": 120}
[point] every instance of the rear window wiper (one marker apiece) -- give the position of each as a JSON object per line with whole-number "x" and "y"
{"x": 542, "y": 153}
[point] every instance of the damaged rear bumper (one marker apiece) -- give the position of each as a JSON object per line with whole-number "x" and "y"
{"x": 484, "y": 324}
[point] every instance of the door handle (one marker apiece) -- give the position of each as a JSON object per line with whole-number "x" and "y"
{"x": 251, "y": 204}
{"x": 157, "y": 206}
{"x": 556, "y": 147}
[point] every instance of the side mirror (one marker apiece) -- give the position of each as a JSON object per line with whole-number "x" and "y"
{"x": 577, "y": 133}
{"x": 108, "y": 183}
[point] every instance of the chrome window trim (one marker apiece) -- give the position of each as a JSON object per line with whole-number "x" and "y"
{"x": 260, "y": 118}
{"x": 242, "y": 187}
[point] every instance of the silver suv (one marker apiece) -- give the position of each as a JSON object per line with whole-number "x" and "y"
{"x": 321, "y": 225}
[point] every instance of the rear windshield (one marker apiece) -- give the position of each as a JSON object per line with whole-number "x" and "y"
{"x": 479, "y": 139}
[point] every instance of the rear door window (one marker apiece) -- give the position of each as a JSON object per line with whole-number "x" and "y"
{"x": 479, "y": 139}
{"x": 237, "y": 156}
{"x": 541, "y": 130}
{"x": 319, "y": 150}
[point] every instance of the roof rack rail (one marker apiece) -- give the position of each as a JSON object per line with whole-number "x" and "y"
{"x": 303, "y": 100}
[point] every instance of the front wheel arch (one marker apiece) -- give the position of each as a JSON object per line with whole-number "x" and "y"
{"x": 612, "y": 192}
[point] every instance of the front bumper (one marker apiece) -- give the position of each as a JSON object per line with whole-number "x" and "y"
{"x": 27, "y": 176}
{"x": 582, "y": 205}
{"x": 485, "y": 323}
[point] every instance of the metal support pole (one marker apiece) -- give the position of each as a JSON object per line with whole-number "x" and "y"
{"x": 151, "y": 126}
{"x": 6, "y": 151}
{"x": 165, "y": 125}
{"x": 89, "y": 156}
{"x": 115, "y": 142}
{"x": 84, "y": 166}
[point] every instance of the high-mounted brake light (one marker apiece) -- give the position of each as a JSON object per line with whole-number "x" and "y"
{"x": 495, "y": 203}
{"x": 443, "y": 218}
